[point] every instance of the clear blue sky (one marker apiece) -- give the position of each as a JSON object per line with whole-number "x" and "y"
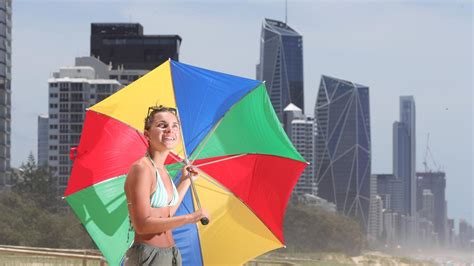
{"x": 421, "y": 48}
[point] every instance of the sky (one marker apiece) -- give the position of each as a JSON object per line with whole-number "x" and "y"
{"x": 419, "y": 48}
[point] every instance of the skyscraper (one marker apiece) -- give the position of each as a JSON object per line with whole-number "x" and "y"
{"x": 343, "y": 145}
{"x": 123, "y": 45}
{"x": 404, "y": 152}
{"x": 5, "y": 86}
{"x": 300, "y": 130}
{"x": 281, "y": 65}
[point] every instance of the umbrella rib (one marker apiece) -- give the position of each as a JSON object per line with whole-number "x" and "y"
{"x": 220, "y": 160}
{"x": 208, "y": 137}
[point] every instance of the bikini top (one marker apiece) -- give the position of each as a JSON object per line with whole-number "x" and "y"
{"x": 159, "y": 198}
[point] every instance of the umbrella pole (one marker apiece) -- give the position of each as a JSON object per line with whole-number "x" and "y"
{"x": 204, "y": 220}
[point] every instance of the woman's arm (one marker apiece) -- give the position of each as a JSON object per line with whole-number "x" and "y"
{"x": 137, "y": 190}
{"x": 184, "y": 186}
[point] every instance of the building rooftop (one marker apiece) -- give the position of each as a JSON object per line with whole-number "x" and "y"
{"x": 292, "y": 108}
{"x": 280, "y": 27}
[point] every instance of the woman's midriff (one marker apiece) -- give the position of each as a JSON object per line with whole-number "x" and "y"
{"x": 162, "y": 240}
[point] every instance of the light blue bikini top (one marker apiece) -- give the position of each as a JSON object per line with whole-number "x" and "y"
{"x": 159, "y": 198}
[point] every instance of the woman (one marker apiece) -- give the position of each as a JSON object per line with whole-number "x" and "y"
{"x": 153, "y": 198}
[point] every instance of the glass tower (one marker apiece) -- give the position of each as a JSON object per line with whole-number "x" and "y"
{"x": 281, "y": 65}
{"x": 404, "y": 153}
{"x": 343, "y": 147}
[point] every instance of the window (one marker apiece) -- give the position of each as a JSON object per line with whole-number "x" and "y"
{"x": 113, "y": 77}
{"x": 63, "y": 97}
{"x": 53, "y": 158}
{"x": 64, "y": 170}
{"x": 63, "y": 107}
{"x": 76, "y": 86}
{"x": 53, "y": 126}
{"x": 53, "y": 105}
{"x": 64, "y": 148}
{"x": 76, "y": 97}
{"x": 53, "y": 136}
{"x": 53, "y": 147}
{"x": 53, "y": 95}
{"x": 76, "y": 128}
{"x": 53, "y": 116}
{"x": 77, "y": 107}
{"x": 64, "y": 159}
{"x": 63, "y": 129}
{"x": 76, "y": 118}
{"x": 75, "y": 138}
{"x": 53, "y": 85}
{"x": 63, "y": 86}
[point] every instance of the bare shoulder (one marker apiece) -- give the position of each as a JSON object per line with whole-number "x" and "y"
{"x": 138, "y": 171}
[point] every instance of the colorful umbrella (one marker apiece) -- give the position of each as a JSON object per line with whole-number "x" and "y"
{"x": 247, "y": 164}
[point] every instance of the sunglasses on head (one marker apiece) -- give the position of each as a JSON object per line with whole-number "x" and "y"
{"x": 161, "y": 108}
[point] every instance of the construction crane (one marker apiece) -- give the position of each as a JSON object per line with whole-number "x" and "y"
{"x": 429, "y": 154}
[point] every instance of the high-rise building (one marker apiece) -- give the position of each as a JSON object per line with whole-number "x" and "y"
{"x": 5, "y": 86}
{"x": 281, "y": 65}
{"x": 390, "y": 190}
{"x": 43, "y": 125}
{"x": 427, "y": 209}
{"x": 71, "y": 91}
{"x": 466, "y": 234}
{"x": 375, "y": 226}
{"x": 436, "y": 183}
{"x": 300, "y": 130}
{"x": 404, "y": 153}
{"x": 124, "y": 46}
{"x": 343, "y": 146}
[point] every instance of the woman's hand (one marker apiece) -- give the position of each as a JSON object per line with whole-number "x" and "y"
{"x": 198, "y": 215}
{"x": 189, "y": 169}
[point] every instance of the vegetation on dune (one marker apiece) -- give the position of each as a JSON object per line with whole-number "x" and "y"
{"x": 33, "y": 214}
{"x": 312, "y": 229}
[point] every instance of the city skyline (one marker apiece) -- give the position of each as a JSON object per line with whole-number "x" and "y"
{"x": 392, "y": 56}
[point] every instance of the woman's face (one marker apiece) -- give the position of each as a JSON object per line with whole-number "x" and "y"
{"x": 164, "y": 132}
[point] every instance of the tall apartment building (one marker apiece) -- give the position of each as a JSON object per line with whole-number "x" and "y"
{"x": 342, "y": 146}
{"x": 71, "y": 91}
{"x": 124, "y": 46}
{"x": 300, "y": 129}
{"x": 404, "y": 153}
{"x": 281, "y": 65}
{"x": 5, "y": 87}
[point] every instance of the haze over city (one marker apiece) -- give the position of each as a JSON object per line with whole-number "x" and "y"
{"x": 420, "y": 49}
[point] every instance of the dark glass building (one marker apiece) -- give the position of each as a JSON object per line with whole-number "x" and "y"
{"x": 281, "y": 65}
{"x": 343, "y": 146}
{"x": 123, "y": 45}
{"x": 5, "y": 87}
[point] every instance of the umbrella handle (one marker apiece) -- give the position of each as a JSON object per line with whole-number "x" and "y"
{"x": 204, "y": 220}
